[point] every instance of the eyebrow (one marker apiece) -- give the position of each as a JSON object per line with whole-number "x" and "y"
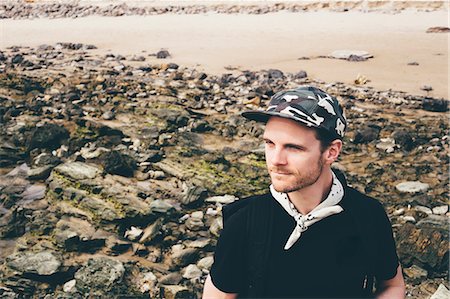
{"x": 299, "y": 146}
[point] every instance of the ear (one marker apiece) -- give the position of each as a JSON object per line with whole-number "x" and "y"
{"x": 332, "y": 152}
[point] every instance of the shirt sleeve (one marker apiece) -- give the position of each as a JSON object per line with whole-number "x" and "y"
{"x": 387, "y": 262}
{"x": 228, "y": 270}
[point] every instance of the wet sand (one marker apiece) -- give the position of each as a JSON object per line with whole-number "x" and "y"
{"x": 212, "y": 42}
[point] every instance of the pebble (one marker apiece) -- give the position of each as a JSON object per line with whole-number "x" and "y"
{"x": 440, "y": 210}
{"x": 191, "y": 272}
{"x": 224, "y": 199}
{"x": 412, "y": 187}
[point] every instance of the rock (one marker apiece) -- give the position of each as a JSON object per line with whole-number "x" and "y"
{"x": 300, "y": 75}
{"x": 115, "y": 162}
{"x": 426, "y": 88}
{"x": 161, "y": 206}
{"x": 34, "y": 192}
{"x": 109, "y": 115}
{"x": 77, "y": 235}
{"x": 438, "y": 29}
{"x": 192, "y": 272}
{"x": 275, "y": 74}
{"x": 216, "y": 227}
{"x": 176, "y": 292}
{"x": 162, "y": 54}
{"x": 69, "y": 287}
{"x": 224, "y": 199}
{"x": 441, "y": 293}
{"x": 41, "y": 263}
{"x": 346, "y": 54}
{"x": 367, "y": 134}
{"x": 147, "y": 282}
{"x": 185, "y": 257}
{"x": 193, "y": 194}
{"x": 17, "y": 59}
{"x": 100, "y": 274}
{"x": 424, "y": 210}
{"x": 435, "y": 105}
{"x": 205, "y": 263}
{"x": 47, "y": 136}
{"x": 40, "y": 173}
{"x": 440, "y": 210}
{"x": 171, "y": 279}
{"x": 403, "y": 138}
{"x": 426, "y": 247}
{"x": 151, "y": 232}
{"x": 78, "y": 170}
{"x": 133, "y": 233}
{"x": 354, "y": 57}
{"x": 194, "y": 224}
{"x": 412, "y": 187}
{"x": 437, "y": 221}
{"x": 386, "y": 144}
{"x": 415, "y": 274}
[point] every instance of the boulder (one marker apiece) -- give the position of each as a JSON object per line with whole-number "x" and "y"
{"x": 78, "y": 170}
{"x": 115, "y": 162}
{"x": 426, "y": 247}
{"x": 99, "y": 273}
{"x": 48, "y": 136}
{"x": 42, "y": 263}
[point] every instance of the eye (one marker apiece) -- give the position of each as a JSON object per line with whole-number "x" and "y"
{"x": 294, "y": 147}
{"x": 268, "y": 142}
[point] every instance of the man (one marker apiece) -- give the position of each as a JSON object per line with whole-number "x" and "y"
{"x": 321, "y": 239}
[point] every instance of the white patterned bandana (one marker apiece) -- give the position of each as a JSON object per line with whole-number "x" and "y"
{"x": 326, "y": 208}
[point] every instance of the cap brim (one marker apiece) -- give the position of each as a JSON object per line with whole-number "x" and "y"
{"x": 263, "y": 117}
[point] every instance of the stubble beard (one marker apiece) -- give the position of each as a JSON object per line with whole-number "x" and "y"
{"x": 303, "y": 180}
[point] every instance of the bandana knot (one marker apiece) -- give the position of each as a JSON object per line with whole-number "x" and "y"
{"x": 326, "y": 208}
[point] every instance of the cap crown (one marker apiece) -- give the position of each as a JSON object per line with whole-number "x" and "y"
{"x": 312, "y": 107}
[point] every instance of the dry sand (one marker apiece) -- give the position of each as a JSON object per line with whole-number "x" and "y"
{"x": 211, "y": 42}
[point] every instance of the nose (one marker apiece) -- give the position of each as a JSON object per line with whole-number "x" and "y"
{"x": 276, "y": 156}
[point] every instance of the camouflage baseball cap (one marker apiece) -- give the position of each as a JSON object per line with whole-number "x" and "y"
{"x": 308, "y": 105}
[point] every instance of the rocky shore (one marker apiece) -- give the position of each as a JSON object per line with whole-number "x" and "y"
{"x": 113, "y": 171}
{"x": 76, "y": 9}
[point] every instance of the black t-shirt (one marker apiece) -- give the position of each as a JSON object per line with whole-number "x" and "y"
{"x": 328, "y": 261}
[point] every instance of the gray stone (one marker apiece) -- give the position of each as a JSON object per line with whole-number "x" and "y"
{"x": 440, "y": 210}
{"x": 412, "y": 187}
{"x": 171, "y": 279}
{"x": 224, "y": 199}
{"x": 194, "y": 224}
{"x": 441, "y": 293}
{"x": 100, "y": 273}
{"x": 78, "y": 170}
{"x": 161, "y": 206}
{"x": 434, "y": 221}
{"x": 70, "y": 286}
{"x": 386, "y": 144}
{"x": 103, "y": 210}
{"x": 40, "y": 173}
{"x": 34, "y": 192}
{"x": 423, "y": 209}
{"x": 41, "y": 263}
{"x": 199, "y": 243}
{"x": 151, "y": 231}
{"x": 345, "y": 54}
{"x": 216, "y": 227}
{"x": 133, "y": 233}
{"x": 205, "y": 263}
{"x": 192, "y": 272}
{"x": 193, "y": 194}
{"x": 185, "y": 256}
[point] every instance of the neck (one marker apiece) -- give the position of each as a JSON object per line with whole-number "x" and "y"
{"x": 306, "y": 199}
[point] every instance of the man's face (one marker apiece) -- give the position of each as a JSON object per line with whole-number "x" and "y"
{"x": 293, "y": 156}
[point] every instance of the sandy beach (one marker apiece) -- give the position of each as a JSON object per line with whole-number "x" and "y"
{"x": 213, "y": 42}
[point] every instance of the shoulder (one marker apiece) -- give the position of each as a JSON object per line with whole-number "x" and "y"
{"x": 241, "y": 208}
{"x": 360, "y": 202}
